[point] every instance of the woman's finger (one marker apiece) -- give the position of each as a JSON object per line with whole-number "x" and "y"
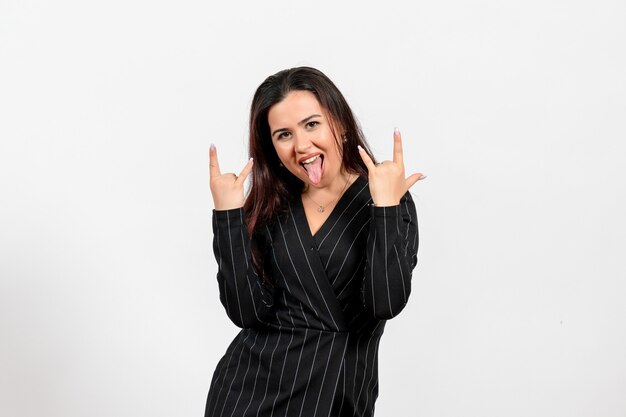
{"x": 245, "y": 171}
{"x": 412, "y": 179}
{"x": 366, "y": 159}
{"x": 214, "y": 165}
{"x": 397, "y": 147}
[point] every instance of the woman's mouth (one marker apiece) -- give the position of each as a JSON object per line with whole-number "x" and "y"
{"x": 314, "y": 167}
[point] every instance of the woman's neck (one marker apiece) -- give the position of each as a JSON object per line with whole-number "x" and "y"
{"x": 335, "y": 189}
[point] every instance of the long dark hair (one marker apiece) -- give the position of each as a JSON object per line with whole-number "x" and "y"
{"x": 272, "y": 185}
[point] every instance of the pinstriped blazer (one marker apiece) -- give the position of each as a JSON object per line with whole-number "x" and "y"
{"x": 309, "y": 343}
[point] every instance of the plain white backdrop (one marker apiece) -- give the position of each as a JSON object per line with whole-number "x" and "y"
{"x": 514, "y": 109}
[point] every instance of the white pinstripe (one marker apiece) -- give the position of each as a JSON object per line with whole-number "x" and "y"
{"x": 343, "y": 391}
{"x": 330, "y": 353}
{"x": 356, "y": 403}
{"x": 306, "y": 332}
{"x": 230, "y": 243}
{"x": 269, "y": 374}
{"x": 372, "y": 272}
{"x": 224, "y": 377}
{"x": 245, "y": 256}
{"x": 342, "y": 365}
{"x": 257, "y": 376}
{"x": 306, "y": 390}
{"x": 369, "y": 390}
{"x": 244, "y": 378}
{"x": 280, "y": 381}
{"x": 386, "y": 265}
{"x": 234, "y": 375}
{"x": 220, "y": 265}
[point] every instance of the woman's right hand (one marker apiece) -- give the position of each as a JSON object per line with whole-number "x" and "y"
{"x": 227, "y": 189}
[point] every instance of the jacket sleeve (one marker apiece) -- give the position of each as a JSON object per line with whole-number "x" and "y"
{"x": 391, "y": 256}
{"x": 246, "y": 299}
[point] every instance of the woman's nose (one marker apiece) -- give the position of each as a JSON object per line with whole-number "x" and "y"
{"x": 303, "y": 142}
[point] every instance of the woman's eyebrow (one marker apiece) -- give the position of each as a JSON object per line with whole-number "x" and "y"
{"x": 303, "y": 121}
{"x": 300, "y": 123}
{"x": 282, "y": 129}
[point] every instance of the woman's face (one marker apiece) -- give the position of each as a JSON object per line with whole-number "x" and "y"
{"x": 303, "y": 139}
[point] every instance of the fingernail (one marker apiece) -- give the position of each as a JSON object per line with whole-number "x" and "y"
{"x": 359, "y": 146}
{"x": 212, "y": 146}
{"x": 396, "y": 130}
{"x": 423, "y": 176}
{"x": 250, "y": 160}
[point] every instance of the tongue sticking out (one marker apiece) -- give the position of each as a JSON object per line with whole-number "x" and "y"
{"x": 314, "y": 170}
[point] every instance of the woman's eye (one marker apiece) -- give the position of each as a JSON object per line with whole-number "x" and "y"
{"x": 312, "y": 124}
{"x": 283, "y": 135}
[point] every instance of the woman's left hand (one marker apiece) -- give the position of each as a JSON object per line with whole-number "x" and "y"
{"x": 386, "y": 179}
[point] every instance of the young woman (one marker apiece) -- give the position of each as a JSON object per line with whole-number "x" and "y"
{"x": 313, "y": 261}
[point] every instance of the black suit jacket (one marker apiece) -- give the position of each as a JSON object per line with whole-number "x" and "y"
{"x": 309, "y": 342}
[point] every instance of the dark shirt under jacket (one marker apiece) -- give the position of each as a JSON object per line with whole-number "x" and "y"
{"x": 309, "y": 344}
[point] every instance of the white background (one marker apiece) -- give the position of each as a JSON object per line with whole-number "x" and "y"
{"x": 514, "y": 109}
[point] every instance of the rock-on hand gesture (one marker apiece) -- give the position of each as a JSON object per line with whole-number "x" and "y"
{"x": 227, "y": 189}
{"x": 386, "y": 179}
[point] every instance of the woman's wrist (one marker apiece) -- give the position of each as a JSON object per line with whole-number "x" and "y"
{"x": 224, "y": 208}
{"x": 389, "y": 203}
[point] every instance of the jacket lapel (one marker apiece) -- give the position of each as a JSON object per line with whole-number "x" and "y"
{"x": 311, "y": 269}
